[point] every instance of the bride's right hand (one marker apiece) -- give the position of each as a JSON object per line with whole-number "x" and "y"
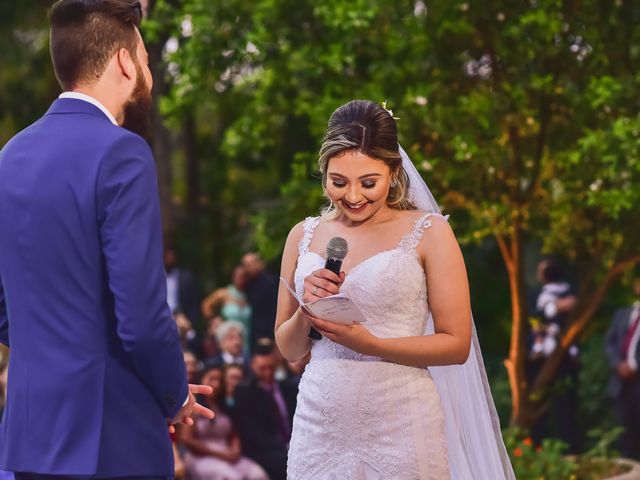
{"x": 322, "y": 283}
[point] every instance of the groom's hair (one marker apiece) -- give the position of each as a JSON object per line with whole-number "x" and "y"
{"x": 86, "y": 33}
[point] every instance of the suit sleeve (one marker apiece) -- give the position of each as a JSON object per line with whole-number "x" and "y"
{"x": 251, "y": 420}
{"x": 4, "y": 318}
{"x": 131, "y": 236}
{"x": 612, "y": 344}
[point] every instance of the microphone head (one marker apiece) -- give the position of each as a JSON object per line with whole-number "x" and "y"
{"x": 337, "y": 248}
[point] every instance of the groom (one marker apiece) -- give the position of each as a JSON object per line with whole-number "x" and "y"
{"x": 96, "y": 369}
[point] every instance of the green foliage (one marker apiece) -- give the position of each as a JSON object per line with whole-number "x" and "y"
{"x": 530, "y": 462}
{"x": 512, "y": 110}
{"x": 594, "y": 404}
{"x": 549, "y": 462}
{"x": 27, "y": 83}
{"x": 520, "y": 115}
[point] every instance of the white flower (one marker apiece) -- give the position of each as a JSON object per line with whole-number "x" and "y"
{"x": 390, "y": 112}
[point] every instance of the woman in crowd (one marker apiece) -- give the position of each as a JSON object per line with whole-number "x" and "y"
{"x": 231, "y": 303}
{"x": 213, "y": 446}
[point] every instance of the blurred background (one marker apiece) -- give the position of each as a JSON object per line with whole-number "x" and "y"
{"x": 522, "y": 116}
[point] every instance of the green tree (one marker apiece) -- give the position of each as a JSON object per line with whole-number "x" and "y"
{"x": 522, "y": 116}
{"x": 27, "y": 83}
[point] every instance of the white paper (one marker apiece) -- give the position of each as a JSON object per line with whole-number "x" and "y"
{"x": 336, "y": 308}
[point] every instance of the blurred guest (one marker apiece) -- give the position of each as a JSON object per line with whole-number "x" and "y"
{"x": 554, "y": 302}
{"x": 285, "y": 370}
{"x": 553, "y": 305}
{"x": 623, "y": 353}
{"x": 212, "y": 446}
{"x": 231, "y": 303}
{"x": 233, "y": 376}
{"x": 264, "y": 411}
{"x": 230, "y": 335}
{"x": 179, "y": 471}
{"x": 187, "y": 333}
{"x": 209, "y": 347}
{"x": 191, "y": 363}
{"x": 262, "y": 292}
{"x": 3, "y": 384}
{"x": 183, "y": 294}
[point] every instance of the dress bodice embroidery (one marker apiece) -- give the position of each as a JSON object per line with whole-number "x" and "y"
{"x": 375, "y": 285}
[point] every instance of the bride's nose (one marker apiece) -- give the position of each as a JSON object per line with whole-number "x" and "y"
{"x": 353, "y": 195}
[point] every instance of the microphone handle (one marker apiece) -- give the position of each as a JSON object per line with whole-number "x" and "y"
{"x": 335, "y": 266}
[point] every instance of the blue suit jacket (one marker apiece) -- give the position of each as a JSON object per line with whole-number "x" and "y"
{"x": 613, "y": 348}
{"x": 96, "y": 366}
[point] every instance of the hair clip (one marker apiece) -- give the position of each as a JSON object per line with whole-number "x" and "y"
{"x": 389, "y": 111}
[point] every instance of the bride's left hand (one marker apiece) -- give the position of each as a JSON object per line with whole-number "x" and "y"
{"x": 355, "y": 337}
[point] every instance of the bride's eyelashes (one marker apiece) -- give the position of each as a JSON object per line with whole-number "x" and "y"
{"x": 367, "y": 185}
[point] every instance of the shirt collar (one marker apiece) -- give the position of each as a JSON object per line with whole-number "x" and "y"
{"x": 92, "y": 101}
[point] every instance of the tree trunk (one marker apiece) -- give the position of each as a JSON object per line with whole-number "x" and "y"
{"x": 161, "y": 143}
{"x": 511, "y": 250}
{"x": 192, "y": 167}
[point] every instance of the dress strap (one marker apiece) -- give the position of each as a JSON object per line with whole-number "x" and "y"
{"x": 411, "y": 240}
{"x": 309, "y": 226}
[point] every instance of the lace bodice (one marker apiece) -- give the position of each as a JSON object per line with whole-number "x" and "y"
{"x": 375, "y": 285}
{"x": 359, "y": 417}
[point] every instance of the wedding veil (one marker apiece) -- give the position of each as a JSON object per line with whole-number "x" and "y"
{"x": 472, "y": 428}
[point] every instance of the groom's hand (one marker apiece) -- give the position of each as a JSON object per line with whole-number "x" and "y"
{"x": 192, "y": 408}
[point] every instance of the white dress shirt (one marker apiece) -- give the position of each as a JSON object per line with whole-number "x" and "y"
{"x": 92, "y": 101}
{"x": 633, "y": 346}
{"x": 172, "y": 290}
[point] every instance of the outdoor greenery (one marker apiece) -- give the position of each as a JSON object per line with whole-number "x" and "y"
{"x": 549, "y": 461}
{"x": 523, "y": 117}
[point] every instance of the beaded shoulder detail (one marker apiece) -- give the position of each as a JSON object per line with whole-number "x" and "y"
{"x": 411, "y": 240}
{"x": 309, "y": 226}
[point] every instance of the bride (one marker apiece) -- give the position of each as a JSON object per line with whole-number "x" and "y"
{"x": 406, "y": 396}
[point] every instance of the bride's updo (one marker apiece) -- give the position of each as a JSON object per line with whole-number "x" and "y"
{"x": 367, "y": 127}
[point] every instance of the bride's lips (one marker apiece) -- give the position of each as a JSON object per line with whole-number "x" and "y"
{"x": 358, "y": 209}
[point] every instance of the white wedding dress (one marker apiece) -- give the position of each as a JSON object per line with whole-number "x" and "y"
{"x": 360, "y": 417}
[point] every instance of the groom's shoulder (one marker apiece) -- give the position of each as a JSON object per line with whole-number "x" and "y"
{"x": 121, "y": 139}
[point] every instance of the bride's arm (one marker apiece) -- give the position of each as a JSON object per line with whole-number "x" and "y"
{"x": 292, "y": 325}
{"x": 448, "y": 293}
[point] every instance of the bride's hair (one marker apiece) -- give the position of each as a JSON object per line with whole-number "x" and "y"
{"x": 368, "y": 128}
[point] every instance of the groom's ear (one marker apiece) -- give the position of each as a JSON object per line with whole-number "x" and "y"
{"x": 125, "y": 64}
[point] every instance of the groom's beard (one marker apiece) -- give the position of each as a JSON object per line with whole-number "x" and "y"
{"x": 137, "y": 110}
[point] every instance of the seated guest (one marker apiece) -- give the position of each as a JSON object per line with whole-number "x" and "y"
{"x": 264, "y": 414}
{"x": 285, "y": 370}
{"x": 233, "y": 376}
{"x": 230, "y": 336}
{"x": 213, "y": 446}
{"x": 3, "y": 382}
{"x": 192, "y": 366}
{"x": 231, "y": 303}
{"x": 262, "y": 294}
{"x": 183, "y": 292}
{"x": 208, "y": 348}
{"x": 188, "y": 336}
{"x": 179, "y": 472}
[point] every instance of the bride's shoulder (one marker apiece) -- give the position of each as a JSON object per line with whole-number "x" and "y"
{"x": 301, "y": 229}
{"x": 431, "y": 228}
{"x": 426, "y": 220}
{"x": 297, "y": 232}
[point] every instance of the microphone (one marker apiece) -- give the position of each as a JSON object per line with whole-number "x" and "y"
{"x": 337, "y": 249}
